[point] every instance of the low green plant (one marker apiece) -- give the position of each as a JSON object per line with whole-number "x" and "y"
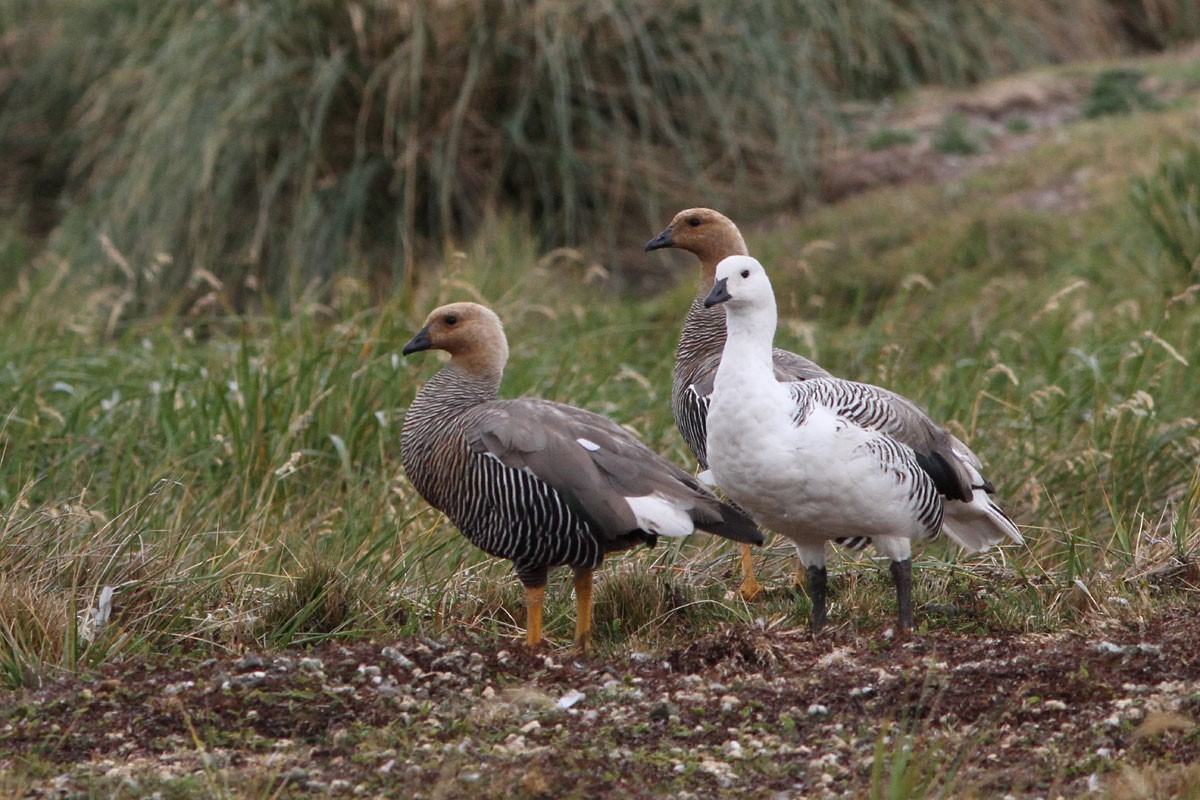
{"x": 319, "y": 602}
{"x": 1018, "y": 125}
{"x": 1118, "y": 91}
{"x": 955, "y": 137}
{"x": 889, "y": 137}
{"x": 1168, "y": 201}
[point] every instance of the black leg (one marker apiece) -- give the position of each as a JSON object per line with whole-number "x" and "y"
{"x": 902, "y": 576}
{"x": 816, "y": 593}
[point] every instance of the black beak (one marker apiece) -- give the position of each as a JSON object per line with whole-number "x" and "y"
{"x": 659, "y": 242}
{"x": 419, "y": 342}
{"x": 719, "y": 294}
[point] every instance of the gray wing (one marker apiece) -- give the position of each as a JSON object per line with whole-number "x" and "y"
{"x": 938, "y": 453}
{"x": 594, "y": 464}
{"x": 791, "y": 367}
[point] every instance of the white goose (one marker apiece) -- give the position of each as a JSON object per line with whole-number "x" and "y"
{"x": 813, "y": 460}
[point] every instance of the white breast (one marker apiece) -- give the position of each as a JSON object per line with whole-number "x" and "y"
{"x": 819, "y": 479}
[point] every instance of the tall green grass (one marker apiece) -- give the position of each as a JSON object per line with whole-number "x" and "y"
{"x": 238, "y": 482}
{"x": 1169, "y": 202}
{"x": 235, "y": 481}
{"x": 256, "y": 151}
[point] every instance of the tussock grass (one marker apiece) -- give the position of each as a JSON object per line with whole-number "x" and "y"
{"x": 1117, "y": 91}
{"x": 955, "y": 137}
{"x": 209, "y": 156}
{"x": 318, "y": 602}
{"x": 1169, "y": 202}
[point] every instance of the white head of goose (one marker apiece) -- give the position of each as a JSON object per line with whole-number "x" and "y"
{"x": 824, "y": 459}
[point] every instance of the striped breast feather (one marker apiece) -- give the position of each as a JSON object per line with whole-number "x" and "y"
{"x": 513, "y": 514}
{"x": 691, "y": 417}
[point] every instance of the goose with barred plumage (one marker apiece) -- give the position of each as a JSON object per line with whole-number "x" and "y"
{"x": 540, "y": 483}
{"x": 712, "y": 237}
{"x": 818, "y": 460}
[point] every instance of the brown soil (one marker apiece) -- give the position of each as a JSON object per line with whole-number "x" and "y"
{"x": 741, "y": 712}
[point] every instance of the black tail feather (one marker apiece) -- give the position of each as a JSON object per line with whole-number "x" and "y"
{"x": 734, "y": 525}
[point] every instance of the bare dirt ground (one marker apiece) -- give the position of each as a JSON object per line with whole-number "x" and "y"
{"x": 741, "y": 712}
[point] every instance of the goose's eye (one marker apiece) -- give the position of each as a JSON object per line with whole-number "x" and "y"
{"x": 451, "y": 319}
{"x": 694, "y": 222}
{"x": 745, "y": 273}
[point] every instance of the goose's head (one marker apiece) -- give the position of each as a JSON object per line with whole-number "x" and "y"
{"x": 472, "y": 334}
{"x": 707, "y": 234}
{"x": 741, "y": 282}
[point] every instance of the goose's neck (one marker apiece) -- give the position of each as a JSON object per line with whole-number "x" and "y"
{"x": 704, "y": 328}
{"x": 447, "y": 396}
{"x": 750, "y": 334}
{"x": 703, "y": 333}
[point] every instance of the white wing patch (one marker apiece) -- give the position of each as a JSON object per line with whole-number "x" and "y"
{"x": 706, "y": 478}
{"x": 588, "y": 444}
{"x": 659, "y": 515}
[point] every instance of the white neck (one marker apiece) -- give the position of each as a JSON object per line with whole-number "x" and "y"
{"x": 750, "y": 338}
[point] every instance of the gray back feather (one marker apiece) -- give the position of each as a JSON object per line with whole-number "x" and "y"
{"x": 543, "y": 438}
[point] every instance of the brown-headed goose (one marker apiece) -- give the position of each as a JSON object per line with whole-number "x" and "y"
{"x": 712, "y": 237}
{"x": 540, "y": 483}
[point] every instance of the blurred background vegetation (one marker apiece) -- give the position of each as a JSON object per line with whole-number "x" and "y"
{"x": 267, "y": 147}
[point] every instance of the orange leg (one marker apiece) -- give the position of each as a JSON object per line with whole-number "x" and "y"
{"x": 583, "y": 610}
{"x": 534, "y": 597}
{"x": 750, "y": 587}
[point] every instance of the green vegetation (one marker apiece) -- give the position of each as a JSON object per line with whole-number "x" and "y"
{"x": 1018, "y": 125}
{"x": 1117, "y": 91}
{"x": 1169, "y": 202}
{"x": 889, "y": 137}
{"x": 239, "y": 155}
{"x": 205, "y": 284}
{"x": 237, "y": 481}
{"x": 956, "y": 138}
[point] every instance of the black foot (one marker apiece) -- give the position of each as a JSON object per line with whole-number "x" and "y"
{"x": 816, "y": 593}
{"x": 902, "y": 577}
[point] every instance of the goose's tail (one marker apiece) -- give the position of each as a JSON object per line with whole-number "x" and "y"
{"x": 978, "y": 523}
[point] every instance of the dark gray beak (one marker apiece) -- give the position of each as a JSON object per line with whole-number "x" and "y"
{"x": 659, "y": 242}
{"x": 719, "y": 294}
{"x": 419, "y": 342}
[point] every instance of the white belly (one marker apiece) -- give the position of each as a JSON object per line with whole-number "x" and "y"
{"x": 813, "y": 482}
